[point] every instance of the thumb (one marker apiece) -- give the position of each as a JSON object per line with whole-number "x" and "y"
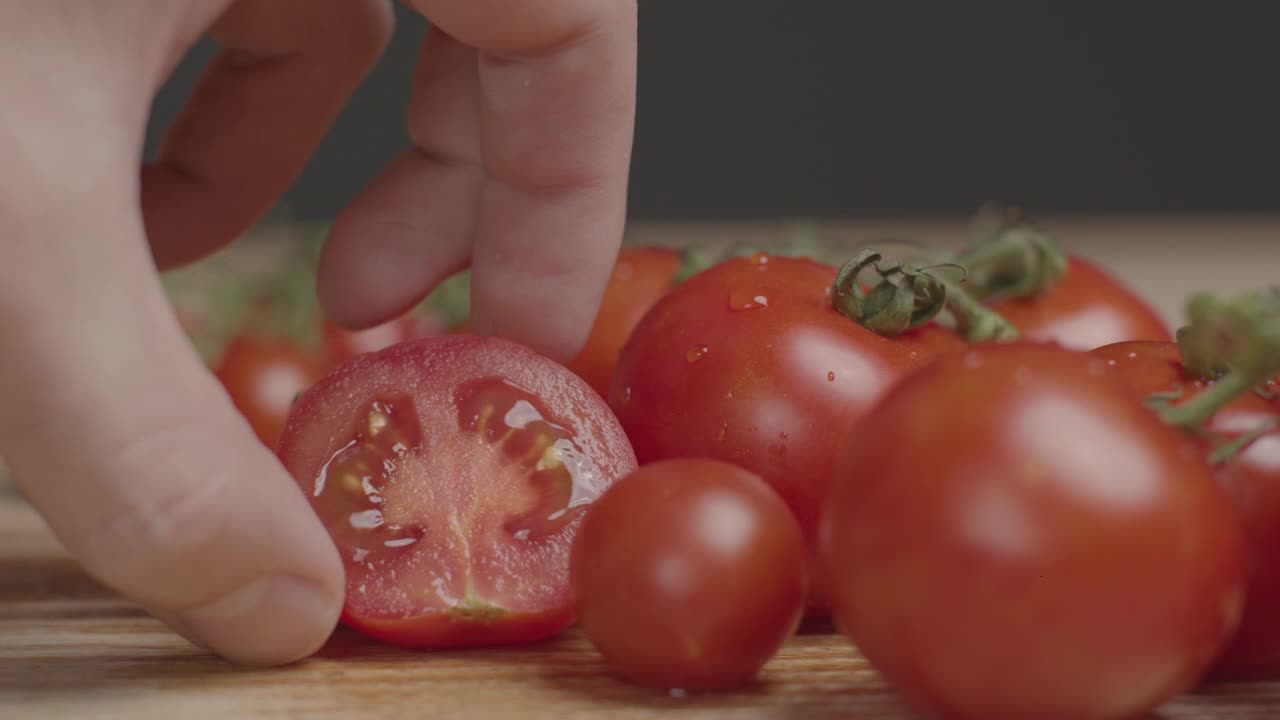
{"x": 130, "y": 449}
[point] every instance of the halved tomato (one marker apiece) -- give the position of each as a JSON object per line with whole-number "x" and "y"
{"x": 452, "y": 473}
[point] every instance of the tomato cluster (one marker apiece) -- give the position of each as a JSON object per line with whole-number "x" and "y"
{"x": 997, "y": 472}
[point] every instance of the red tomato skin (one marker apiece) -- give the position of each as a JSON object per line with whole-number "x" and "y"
{"x": 263, "y": 376}
{"x": 410, "y": 608}
{"x": 1251, "y": 478}
{"x": 736, "y": 592}
{"x": 1012, "y": 536}
{"x": 772, "y": 388}
{"x": 641, "y": 276}
{"x": 1088, "y": 308}
{"x": 460, "y": 630}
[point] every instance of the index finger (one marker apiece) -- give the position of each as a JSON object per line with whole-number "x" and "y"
{"x": 536, "y": 176}
{"x": 556, "y": 128}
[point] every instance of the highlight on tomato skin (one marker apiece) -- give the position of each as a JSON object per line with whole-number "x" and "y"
{"x": 263, "y": 375}
{"x": 1086, "y": 309}
{"x": 689, "y": 574}
{"x": 1012, "y": 534}
{"x": 452, "y": 473}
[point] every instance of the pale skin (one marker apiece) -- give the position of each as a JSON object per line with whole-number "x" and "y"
{"x": 521, "y": 115}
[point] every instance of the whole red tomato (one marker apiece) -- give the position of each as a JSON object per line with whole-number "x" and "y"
{"x": 748, "y": 362}
{"x": 1086, "y": 309}
{"x": 1252, "y": 478}
{"x": 1011, "y": 535}
{"x": 264, "y": 375}
{"x": 641, "y": 276}
{"x": 689, "y": 574}
{"x": 452, "y": 473}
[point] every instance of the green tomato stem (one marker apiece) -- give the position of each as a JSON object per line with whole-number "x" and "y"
{"x": 1237, "y": 342}
{"x": 1199, "y": 409}
{"x": 1015, "y": 260}
{"x": 976, "y": 322}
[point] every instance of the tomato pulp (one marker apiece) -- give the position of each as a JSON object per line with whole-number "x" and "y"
{"x": 1086, "y": 309}
{"x": 1252, "y": 479}
{"x": 1012, "y": 535}
{"x": 452, "y": 473}
{"x": 748, "y": 362}
{"x": 689, "y": 574}
{"x": 263, "y": 376}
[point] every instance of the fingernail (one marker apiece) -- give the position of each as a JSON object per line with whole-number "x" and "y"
{"x": 270, "y": 621}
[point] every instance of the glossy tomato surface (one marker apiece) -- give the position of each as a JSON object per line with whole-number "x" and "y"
{"x": 452, "y": 473}
{"x": 747, "y": 362}
{"x": 1251, "y": 477}
{"x": 689, "y": 574}
{"x": 263, "y": 376}
{"x": 1088, "y": 308}
{"x": 1012, "y": 535}
{"x": 641, "y": 276}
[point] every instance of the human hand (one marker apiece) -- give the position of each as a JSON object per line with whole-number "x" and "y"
{"x": 521, "y": 115}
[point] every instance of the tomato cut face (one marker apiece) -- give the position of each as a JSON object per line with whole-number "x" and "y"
{"x": 452, "y": 473}
{"x": 1086, "y": 309}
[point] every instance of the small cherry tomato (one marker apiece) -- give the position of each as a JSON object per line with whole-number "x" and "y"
{"x": 264, "y": 376}
{"x": 689, "y": 574}
{"x": 452, "y": 473}
{"x": 1011, "y": 535}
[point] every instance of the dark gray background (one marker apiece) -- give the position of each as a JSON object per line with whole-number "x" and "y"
{"x": 773, "y": 108}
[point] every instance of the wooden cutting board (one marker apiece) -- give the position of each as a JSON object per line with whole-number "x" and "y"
{"x": 71, "y": 649}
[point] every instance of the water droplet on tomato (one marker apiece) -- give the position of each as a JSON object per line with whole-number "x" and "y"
{"x": 522, "y": 430}
{"x": 354, "y": 481}
{"x": 724, "y": 432}
{"x": 626, "y": 395}
{"x": 831, "y": 376}
{"x": 696, "y": 352}
{"x": 366, "y": 519}
{"x": 1133, "y": 355}
{"x": 740, "y": 300}
{"x": 1111, "y": 363}
{"x": 760, "y": 258}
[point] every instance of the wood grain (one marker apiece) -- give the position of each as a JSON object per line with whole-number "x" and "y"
{"x": 70, "y": 648}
